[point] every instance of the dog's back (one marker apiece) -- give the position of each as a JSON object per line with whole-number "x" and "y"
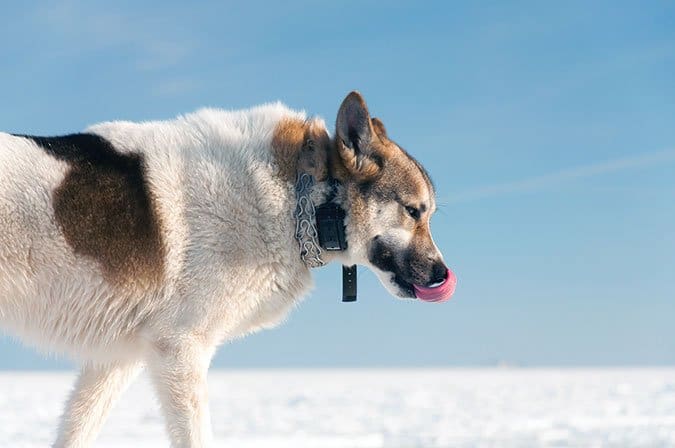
{"x": 105, "y": 233}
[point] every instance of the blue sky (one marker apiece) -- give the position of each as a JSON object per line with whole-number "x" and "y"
{"x": 547, "y": 126}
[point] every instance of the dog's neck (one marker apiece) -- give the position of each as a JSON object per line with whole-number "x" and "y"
{"x": 319, "y": 214}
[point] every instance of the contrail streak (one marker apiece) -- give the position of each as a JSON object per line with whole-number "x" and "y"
{"x": 546, "y": 180}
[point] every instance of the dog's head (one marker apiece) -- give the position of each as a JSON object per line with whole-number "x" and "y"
{"x": 389, "y": 200}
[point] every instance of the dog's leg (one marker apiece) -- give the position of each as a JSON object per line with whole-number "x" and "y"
{"x": 96, "y": 390}
{"x": 179, "y": 371}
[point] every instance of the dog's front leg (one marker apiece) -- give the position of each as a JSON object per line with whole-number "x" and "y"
{"x": 179, "y": 369}
{"x": 96, "y": 390}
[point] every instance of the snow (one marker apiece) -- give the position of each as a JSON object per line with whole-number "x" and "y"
{"x": 378, "y": 408}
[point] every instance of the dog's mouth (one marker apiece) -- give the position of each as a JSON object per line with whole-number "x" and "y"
{"x": 436, "y": 292}
{"x": 408, "y": 289}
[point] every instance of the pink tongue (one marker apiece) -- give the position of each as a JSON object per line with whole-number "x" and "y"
{"x": 440, "y": 293}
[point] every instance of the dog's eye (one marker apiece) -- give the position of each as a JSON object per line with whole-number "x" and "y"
{"x": 413, "y": 212}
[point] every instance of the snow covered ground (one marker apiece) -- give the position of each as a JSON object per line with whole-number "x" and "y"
{"x": 379, "y": 408}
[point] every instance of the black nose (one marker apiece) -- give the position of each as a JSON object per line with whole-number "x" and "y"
{"x": 438, "y": 273}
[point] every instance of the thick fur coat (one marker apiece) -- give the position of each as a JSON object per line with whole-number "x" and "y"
{"x": 152, "y": 243}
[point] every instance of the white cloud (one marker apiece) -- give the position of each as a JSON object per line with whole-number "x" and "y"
{"x": 84, "y": 29}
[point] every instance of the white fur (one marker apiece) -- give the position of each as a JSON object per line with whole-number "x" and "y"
{"x": 232, "y": 264}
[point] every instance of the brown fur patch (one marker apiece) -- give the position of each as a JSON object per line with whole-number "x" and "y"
{"x": 301, "y": 145}
{"x": 402, "y": 172}
{"x": 105, "y": 208}
{"x": 362, "y": 167}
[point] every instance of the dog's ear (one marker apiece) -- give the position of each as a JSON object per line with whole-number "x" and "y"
{"x": 355, "y": 134}
{"x": 378, "y": 126}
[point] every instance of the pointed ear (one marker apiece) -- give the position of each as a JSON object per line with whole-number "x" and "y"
{"x": 355, "y": 137}
{"x": 378, "y": 126}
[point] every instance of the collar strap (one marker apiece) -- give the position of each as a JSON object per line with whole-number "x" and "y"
{"x": 322, "y": 228}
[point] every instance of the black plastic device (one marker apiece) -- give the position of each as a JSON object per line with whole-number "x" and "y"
{"x": 330, "y": 225}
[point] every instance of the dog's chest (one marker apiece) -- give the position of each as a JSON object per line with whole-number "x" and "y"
{"x": 260, "y": 298}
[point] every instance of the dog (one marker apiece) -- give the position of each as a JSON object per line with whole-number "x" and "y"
{"x": 150, "y": 244}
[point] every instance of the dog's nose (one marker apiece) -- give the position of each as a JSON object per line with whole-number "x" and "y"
{"x": 438, "y": 273}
